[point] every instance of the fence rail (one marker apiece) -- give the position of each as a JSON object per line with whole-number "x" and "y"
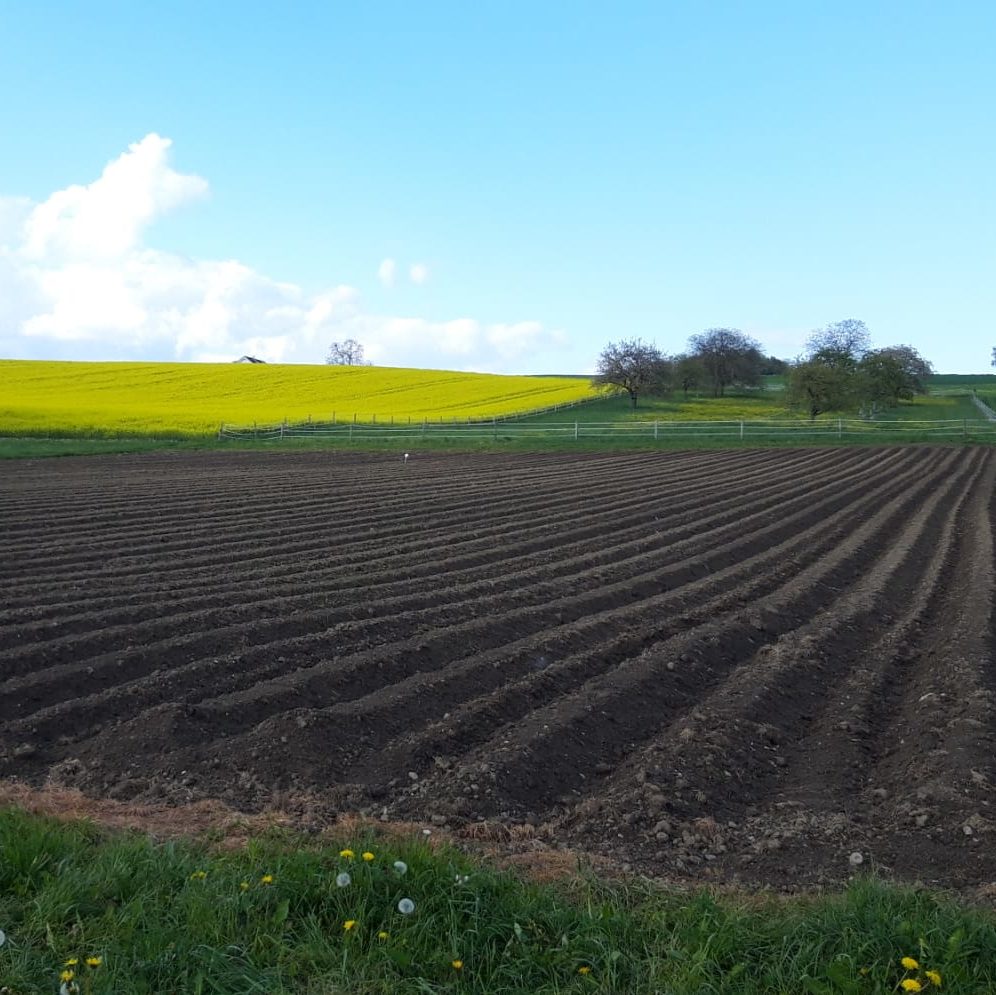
{"x": 659, "y": 430}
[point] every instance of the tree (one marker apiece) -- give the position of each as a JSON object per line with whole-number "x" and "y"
{"x": 840, "y": 345}
{"x": 348, "y": 353}
{"x": 817, "y": 386}
{"x": 688, "y": 372}
{"x": 634, "y": 366}
{"x": 896, "y": 373}
{"x": 729, "y": 358}
{"x": 773, "y": 366}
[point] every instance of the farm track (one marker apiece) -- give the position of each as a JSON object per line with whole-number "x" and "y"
{"x": 742, "y": 665}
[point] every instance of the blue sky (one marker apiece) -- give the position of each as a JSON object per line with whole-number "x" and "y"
{"x": 503, "y": 186}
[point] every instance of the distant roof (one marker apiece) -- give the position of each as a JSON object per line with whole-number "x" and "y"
{"x": 249, "y": 359}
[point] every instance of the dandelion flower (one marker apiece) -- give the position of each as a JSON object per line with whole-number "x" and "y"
{"x": 934, "y": 977}
{"x": 244, "y": 885}
{"x": 67, "y": 976}
{"x": 406, "y": 906}
{"x": 911, "y": 985}
{"x": 367, "y": 856}
{"x": 94, "y": 961}
{"x": 72, "y": 962}
{"x": 343, "y": 880}
{"x": 910, "y": 964}
{"x": 348, "y": 924}
{"x": 383, "y": 935}
{"x": 400, "y": 867}
{"x": 347, "y": 854}
{"x": 198, "y": 875}
{"x": 584, "y": 970}
{"x": 457, "y": 965}
{"x": 266, "y": 879}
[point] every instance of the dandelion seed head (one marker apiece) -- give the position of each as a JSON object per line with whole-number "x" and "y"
{"x": 343, "y": 880}
{"x": 406, "y": 906}
{"x": 3, "y": 937}
{"x": 400, "y": 867}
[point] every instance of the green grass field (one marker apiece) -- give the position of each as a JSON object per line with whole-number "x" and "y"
{"x": 276, "y": 916}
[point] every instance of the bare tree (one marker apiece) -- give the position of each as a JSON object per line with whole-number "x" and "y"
{"x": 348, "y": 353}
{"x": 634, "y": 366}
{"x": 841, "y": 345}
{"x": 729, "y": 357}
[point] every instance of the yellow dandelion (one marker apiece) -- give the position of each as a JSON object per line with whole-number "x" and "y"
{"x": 457, "y": 965}
{"x": 584, "y": 970}
{"x": 244, "y": 885}
{"x": 67, "y": 976}
{"x": 94, "y": 961}
{"x": 368, "y": 856}
{"x": 934, "y": 977}
{"x": 348, "y": 924}
{"x": 347, "y": 854}
{"x": 72, "y": 962}
{"x": 383, "y": 935}
{"x": 911, "y": 984}
{"x": 266, "y": 879}
{"x": 910, "y": 964}
{"x": 198, "y": 875}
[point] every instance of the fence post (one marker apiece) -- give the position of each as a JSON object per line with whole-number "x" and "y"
{"x": 840, "y": 428}
{"x": 575, "y": 431}
{"x": 423, "y": 426}
{"x": 964, "y": 427}
{"x": 494, "y": 426}
{"x": 221, "y": 430}
{"x": 741, "y": 431}
{"x": 351, "y": 432}
{"x": 333, "y": 418}
{"x": 655, "y": 430}
{"x": 282, "y": 428}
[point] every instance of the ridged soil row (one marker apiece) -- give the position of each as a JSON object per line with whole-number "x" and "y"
{"x": 352, "y": 576}
{"x": 771, "y": 733}
{"x": 262, "y": 616}
{"x": 556, "y": 749}
{"x": 422, "y": 520}
{"x": 361, "y": 672}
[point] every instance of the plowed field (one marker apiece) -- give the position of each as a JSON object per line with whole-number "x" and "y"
{"x": 740, "y": 666}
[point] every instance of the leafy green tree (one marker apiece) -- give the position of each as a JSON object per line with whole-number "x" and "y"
{"x": 689, "y": 373}
{"x": 817, "y": 386}
{"x": 894, "y": 374}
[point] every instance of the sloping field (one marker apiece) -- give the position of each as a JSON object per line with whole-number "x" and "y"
{"x": 195, "y": 398}
{"x": 732, "y": 665}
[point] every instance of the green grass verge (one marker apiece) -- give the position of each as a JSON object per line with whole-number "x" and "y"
{"x": 186, "y": 917}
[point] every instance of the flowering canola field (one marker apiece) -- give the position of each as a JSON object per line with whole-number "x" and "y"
{"x": 42, "y": 397}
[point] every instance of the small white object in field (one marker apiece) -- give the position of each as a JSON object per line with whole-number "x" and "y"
{"x": 343, "y": 880}
{"x": 406, "y": 457}
{"x": 406, "y": 906}
{"x": 3, "y": 937}
{"x": 856, "y": 859}
{"x": 400, "y": 867}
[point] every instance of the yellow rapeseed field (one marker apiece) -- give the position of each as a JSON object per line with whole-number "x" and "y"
{"x": 43, "y": 397}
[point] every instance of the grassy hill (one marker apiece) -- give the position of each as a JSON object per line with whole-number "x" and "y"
{"x": 193, "y": 399}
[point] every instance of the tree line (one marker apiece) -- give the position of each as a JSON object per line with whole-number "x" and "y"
{"x": 839, "y": 370}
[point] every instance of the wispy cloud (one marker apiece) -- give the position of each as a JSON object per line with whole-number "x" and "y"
{"x": 418, "y": 273}
{"x": 387, "y": 271}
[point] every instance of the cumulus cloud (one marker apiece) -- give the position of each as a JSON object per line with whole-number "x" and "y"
{"x": 387, "y": 271}
{"x": 78, "y": 281}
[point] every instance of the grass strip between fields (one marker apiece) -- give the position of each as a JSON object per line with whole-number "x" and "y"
{"x": 377, "y": 915}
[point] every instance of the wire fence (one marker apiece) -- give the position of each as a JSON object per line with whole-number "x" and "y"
{"x": 660, "y": 430}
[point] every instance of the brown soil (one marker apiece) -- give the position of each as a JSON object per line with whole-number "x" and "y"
{"x": 734, "y": 667}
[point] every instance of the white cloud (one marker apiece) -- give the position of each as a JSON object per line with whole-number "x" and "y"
{"x": 78, "y": 282}
{"x": 387, "y": 271}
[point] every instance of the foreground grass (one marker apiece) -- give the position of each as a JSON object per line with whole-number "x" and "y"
{"x": 183, "y": 917}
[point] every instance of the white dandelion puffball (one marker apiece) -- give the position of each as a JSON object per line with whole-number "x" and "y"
{"x": 401, "y": 867}
{"x": 343, "y": 880}
{"x": 406, "y": 906}
{"x": 3, "y": 937}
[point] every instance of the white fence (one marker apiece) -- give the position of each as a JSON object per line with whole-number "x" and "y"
{"x": 839, "y": 429}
